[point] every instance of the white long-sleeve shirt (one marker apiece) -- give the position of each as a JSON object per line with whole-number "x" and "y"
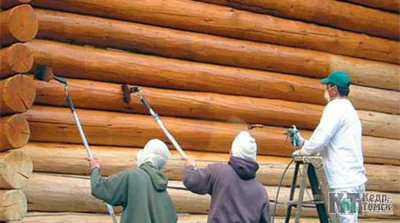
{"x": 338, "y": 140}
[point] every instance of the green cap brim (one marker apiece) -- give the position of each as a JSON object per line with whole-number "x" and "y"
{"x": 325, "y": 81}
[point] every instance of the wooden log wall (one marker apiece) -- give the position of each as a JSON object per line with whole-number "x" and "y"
{"x": 210, "y": 68}
{"x": 18, "y": 24}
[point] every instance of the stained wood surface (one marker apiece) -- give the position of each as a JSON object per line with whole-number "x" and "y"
{"x": 15, "y": 59}
{"x": 14, "y": 132}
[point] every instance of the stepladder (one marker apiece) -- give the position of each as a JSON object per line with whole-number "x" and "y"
{"x": 313, "y": 169}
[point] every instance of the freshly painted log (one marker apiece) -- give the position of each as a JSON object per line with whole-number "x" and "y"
{"x": 13, "y": 205}
{"x": 116, "y": 66}
{"x": 224, "y": 21}
{"x": 208, "y": 106}
{"x": 392, "y": 5}
{"x": 194, "y": 46}
{"x": 51, "y": 124}
{"x": 372, "y": 99}
{"x": 337, "y": 14}
{"x": 68, "y": 217}
{"x": 15, "y": 59}
{"x": 115, "y": 159}
{"x": 17, "y": 94}
{"x": 14, "y": 132}
{"x": 63, "y": 193}
{"x": 15, "y": 169}
{"x": 19, "y": 24}
{"x": 5, "y": 4}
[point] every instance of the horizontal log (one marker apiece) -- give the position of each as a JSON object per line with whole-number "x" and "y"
{"x": 372, "y": 99}
{"x": 107, "y": 65}
{"x": 13, "y": 205}
{"x": 14, "y": 132}
{"x": 115, "y": 159}
{"x": 225, "y": 21}
{"x": 393, "y": 5}
{"x": 207, "y": 106}
{"x": 15, "y": 59}
{"x": 15, "y": 169}
{"x": 62, "y": 193}
{"x": 17, "y": 94}
{"x": 50, "y": 124}
{"x": 5, "y": 4}
{"x": 19, "y": 24}
{"x": 74, "y": 217}
{"x": 200, "y": 47}
{"x": 326, "y": 12}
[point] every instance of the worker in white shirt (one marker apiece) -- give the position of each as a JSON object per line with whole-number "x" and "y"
{"x": 337, "y": 139}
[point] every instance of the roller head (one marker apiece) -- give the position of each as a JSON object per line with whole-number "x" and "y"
{"x": 44, "y": 73}
{"x": 126, "y": 93}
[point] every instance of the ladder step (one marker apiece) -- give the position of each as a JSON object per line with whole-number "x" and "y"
{"x": 294, "y": 203}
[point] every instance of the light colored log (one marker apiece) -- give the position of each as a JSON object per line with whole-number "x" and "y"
{"x": 387, "y": 125}
{"x": 15, "y": 169}
{"x": 200, "y": 47}
{"x": 51, "y": 124}
{"x": 68, "y": 159}
{"x": 19, "y": 24}
{"x": 17, "y": 94}
{"x": 73, "y": 217}
{"x": 337, "y": 14}
{"x": 62, "y": 193}
{"x": 15, "y": 59}
{"x": 207, "y": 106}
{"x": 13, "y": 205}
{"x": 106, "y": 65}
{"x": 392, "y": 5}
{"x": 14, "y": 132}
{"x": 5, "y": 4}
{"x": 372, "y": 99}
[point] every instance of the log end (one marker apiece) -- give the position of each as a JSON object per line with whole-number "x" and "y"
{"x": 16, "y": 132}
{"x": 20, "y": 58}
{"x": 16, "y": 171}
{"x": 18, "y": 94}
{"x": 13, "y": 205}
{"x": 23, "y": 23}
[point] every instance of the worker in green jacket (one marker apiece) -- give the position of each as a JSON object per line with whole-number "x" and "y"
{"x": 141, "y": 191}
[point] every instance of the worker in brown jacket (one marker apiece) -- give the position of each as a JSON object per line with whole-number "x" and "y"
{"x": 236, "y": 196}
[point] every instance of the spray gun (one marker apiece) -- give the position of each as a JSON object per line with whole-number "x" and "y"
{"x": 293, "y": 133}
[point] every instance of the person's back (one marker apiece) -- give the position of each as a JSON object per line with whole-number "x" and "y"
{"x": 343, "y": 159}
{"x": 141, "y": 192}
{"x": 236, "y": 196}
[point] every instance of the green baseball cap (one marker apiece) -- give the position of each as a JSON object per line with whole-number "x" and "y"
{"x": 338, "y": 78}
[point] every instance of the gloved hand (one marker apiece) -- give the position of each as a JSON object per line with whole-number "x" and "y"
{"x": 295, "y": 137}
{"x": 190, "y": 162}
{"x": 93, "y": 163}
{"x": 297, "y": 153}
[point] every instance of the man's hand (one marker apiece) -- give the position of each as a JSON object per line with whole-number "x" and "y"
{"x": 93, "y": 163}
{"x": 190, "y": 162}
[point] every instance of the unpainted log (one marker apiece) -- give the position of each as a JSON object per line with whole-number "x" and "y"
{"x": 207, "y": 106}
{"x": 15, "y": 169}
{"x": 107, "y": 65}
{"x": 14, "y": 132}
{"x": 68, "y": 159}
{"x": 68, "y": 217}
{"x": 17, "y": 94}
{"x": 202, "y": 47}
{"x": 50, "y": 124}
{"x": 13, "y": 205}
{"x": 393, "y": 5}
{"x": 19, "y": 24}
{"x": 62, "y": 193}
{"x": 337, "y": 14}
{"x": 15, "y": 59}
{"x": 372, "y": 99}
